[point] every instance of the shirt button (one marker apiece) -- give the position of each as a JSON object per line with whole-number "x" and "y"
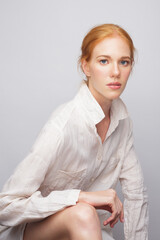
{"x": 99, "y": 157}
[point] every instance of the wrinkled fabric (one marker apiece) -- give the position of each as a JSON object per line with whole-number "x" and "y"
{"x": 69, "y": 156}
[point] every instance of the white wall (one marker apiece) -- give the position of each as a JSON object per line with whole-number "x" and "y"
{"x": 39, "y": 47}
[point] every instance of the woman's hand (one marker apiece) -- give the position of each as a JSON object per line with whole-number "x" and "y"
{"x": 107, "y": 200}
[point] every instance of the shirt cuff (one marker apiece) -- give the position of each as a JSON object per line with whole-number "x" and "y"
{"x": 65, "y": 197}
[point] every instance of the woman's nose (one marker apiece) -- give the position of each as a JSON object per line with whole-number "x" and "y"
{"x": 115, "y": 71}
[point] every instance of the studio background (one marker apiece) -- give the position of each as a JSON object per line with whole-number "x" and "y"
{"x": 39, "y": 47}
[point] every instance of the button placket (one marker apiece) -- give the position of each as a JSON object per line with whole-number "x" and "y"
{"x": 92, "y": 179}
{"x": 100, "y": 153}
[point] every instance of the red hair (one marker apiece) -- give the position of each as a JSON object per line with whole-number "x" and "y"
{"x": 99, "y": 33}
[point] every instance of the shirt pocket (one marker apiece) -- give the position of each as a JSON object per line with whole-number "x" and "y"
{"x": 68, "y": 180}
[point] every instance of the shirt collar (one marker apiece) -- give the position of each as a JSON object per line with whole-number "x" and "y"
{"x": 94, "y": 110}
{"x": 89, "y": 104}
{"x": 118, "y": 110}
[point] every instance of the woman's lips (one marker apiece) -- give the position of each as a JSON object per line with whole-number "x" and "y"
{"x": 114, "y": 85}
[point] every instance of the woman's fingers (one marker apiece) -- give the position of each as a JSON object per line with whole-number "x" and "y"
{"x": 117, "y": 213}
{"x": 109, "y": 220}
{"x": 114, "y": 222}
{"x": 119, "y": 217}
{"x": 122, "y": 216}
{"x": 112, "y": 219}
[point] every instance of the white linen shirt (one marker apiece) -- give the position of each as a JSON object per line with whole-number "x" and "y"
{"x": 68, "y": 156}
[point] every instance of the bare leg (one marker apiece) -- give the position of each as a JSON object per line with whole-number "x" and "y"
{"x": 78, "y": 222}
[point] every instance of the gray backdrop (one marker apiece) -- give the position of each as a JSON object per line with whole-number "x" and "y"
{"x": 39, "y": 47}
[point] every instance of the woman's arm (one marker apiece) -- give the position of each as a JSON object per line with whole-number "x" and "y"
{"x": 135, "y": 195}
{"x": 20, "y": 200}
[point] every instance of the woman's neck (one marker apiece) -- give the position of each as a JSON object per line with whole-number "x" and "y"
{"x": 106, "y": 106}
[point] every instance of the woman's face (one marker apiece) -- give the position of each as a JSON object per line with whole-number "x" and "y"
{"x": 108, "y": 69}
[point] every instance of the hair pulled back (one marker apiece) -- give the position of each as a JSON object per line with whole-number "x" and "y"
{"x": 99, "y": 33}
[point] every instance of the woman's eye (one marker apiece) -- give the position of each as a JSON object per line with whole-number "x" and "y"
{"x": 103, "y": 61}
{"x": 124, "y": 62}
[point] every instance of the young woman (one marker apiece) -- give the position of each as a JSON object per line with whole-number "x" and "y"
{"x": 64, "y": 188}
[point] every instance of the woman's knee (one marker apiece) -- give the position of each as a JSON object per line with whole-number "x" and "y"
{"x": 83, "y": 220}
{"x": 84, "y": 215}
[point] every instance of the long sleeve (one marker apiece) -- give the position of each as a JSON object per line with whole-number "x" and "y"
{"x": 135, "y": 196}
{"x": 20, "y": 200}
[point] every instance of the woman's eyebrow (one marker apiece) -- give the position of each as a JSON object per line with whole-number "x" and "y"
{"x": 126, "y": 57}
{"x": 107, "y": 56}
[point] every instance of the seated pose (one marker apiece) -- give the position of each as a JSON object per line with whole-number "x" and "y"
{"x": 65, "y": 188}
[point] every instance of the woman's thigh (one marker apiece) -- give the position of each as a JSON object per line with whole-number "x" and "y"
{"x": 62, "y": 225}
{"x": 51, "y": 228}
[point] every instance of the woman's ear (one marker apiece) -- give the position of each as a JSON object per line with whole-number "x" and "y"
{"x": 85, "y": 67}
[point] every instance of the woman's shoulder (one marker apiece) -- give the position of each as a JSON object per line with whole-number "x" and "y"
{"x": 62, "y": 113}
